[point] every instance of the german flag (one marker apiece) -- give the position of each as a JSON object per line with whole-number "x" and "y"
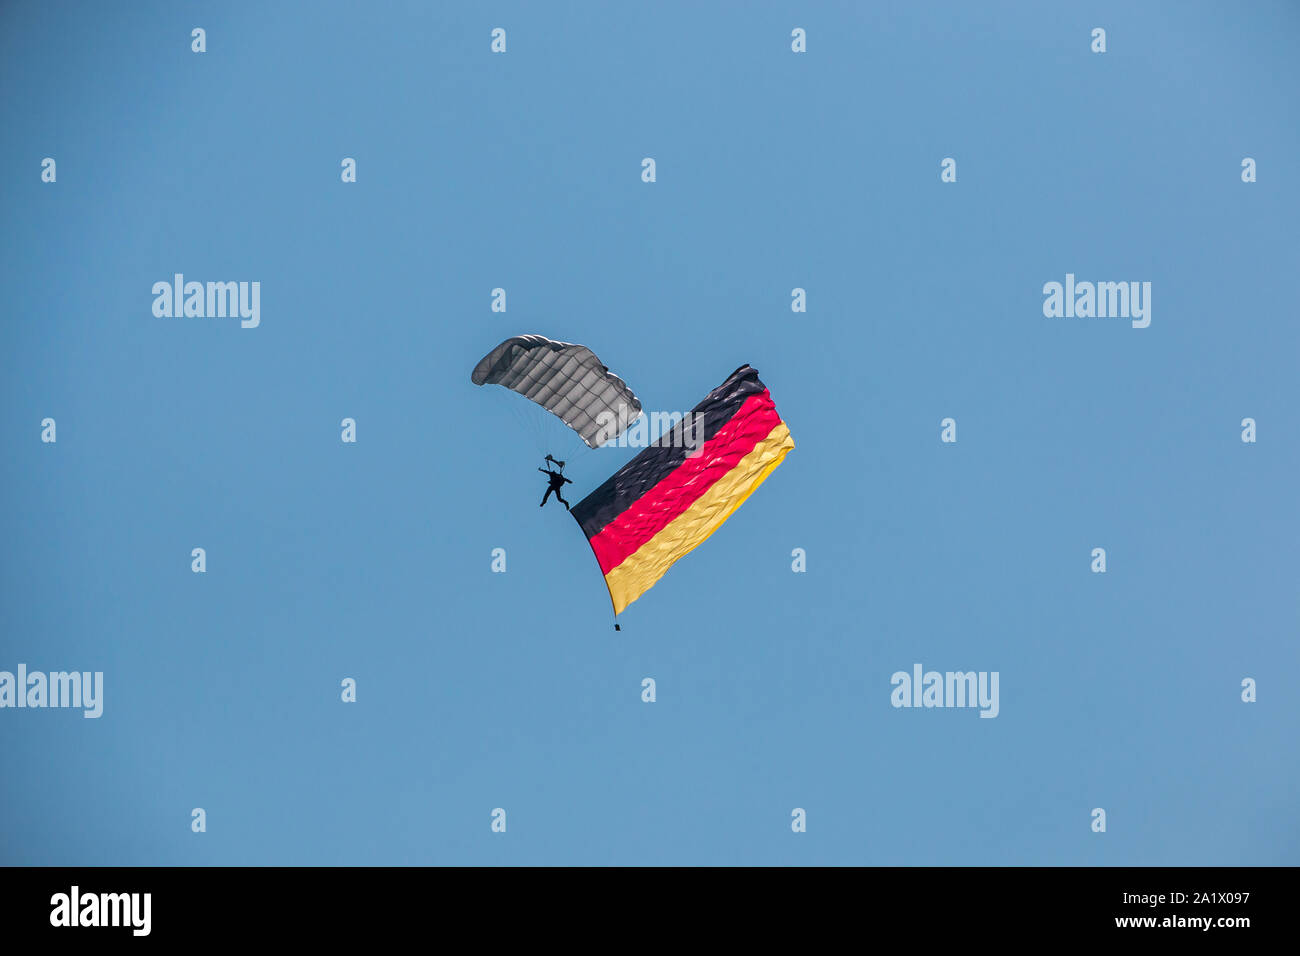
{"x": 667, "y": 500}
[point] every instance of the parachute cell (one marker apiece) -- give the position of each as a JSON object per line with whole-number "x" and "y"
{"x": 567, "y": 380}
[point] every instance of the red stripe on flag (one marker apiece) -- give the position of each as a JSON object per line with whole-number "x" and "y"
{"x": 686, "y": 483}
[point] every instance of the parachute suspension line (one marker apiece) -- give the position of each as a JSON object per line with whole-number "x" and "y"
{"x": 530, "y": 419}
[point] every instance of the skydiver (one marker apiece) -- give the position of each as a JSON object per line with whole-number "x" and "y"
{"x": 557, "y": 482}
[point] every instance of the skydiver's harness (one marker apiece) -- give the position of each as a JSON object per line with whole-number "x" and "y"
{"x": 556, "y": 478}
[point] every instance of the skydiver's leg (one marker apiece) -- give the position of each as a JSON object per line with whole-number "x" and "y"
{"x": 544, "y": 497}
{"x": 560, "y": 498}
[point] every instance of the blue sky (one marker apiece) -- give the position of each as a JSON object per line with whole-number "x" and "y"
{"x": 774, "y": 171}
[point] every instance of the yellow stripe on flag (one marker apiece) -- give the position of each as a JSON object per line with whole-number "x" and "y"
{"x": 641, "y": 569}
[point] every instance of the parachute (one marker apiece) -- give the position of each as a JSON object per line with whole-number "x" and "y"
{"x": 567, "y": 380}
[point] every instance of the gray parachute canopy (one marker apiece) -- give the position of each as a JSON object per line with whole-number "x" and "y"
{"x": 566, "y": 380}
